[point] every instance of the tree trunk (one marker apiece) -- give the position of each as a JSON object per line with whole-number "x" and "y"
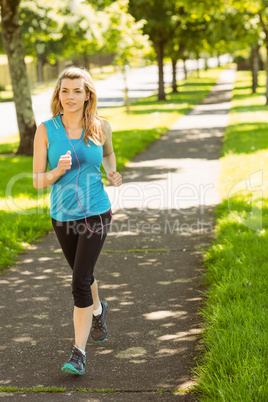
{"x": 159, "y": 48}
{"x": 127, "y": 100}
{"x": 266, "y": 68}
{"x": 22, "y": 96}
{"x": 197, "y": 65}
{"x": 255, "y": 67}
{"x": 266, "y": 64}
{"x": 185, "y": 68}
{"x": 40, "y": 70}
{"x": 218, "y": 58}
{"x": 86, "y": 61}
{"x": 206, "y": 63}
{"x": 174, "y": 76}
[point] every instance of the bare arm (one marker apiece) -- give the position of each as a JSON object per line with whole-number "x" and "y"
{"x": 109, "y": 161}
{"x": 41, "y": 178}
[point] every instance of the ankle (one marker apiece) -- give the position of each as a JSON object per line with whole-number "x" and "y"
{"x": 98, "y": 310}
{"x": 81, "y": 350}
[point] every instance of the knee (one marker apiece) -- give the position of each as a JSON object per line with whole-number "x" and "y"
{"x": 81, "y": 289}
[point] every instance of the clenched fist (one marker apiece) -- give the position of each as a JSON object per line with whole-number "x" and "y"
{"x": 65, "y": 162}
{"x": 115, "y": 178}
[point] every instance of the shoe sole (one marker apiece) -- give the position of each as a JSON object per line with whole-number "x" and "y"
{"x": 102, "y": 340}
{"x": 68, "y": 368}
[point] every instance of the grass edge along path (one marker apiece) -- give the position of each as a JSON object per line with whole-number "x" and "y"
{"x": 233, "y": 363}
{"x": 40, "y": 389}
{"x": 24, "y": 215}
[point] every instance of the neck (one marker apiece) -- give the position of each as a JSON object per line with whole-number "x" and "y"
{"x": 72, "y": 120}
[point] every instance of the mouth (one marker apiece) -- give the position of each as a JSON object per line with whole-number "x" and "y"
{"x": 70, "y": 104}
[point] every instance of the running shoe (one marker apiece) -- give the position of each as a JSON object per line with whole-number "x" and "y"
{"x": 99, "y": 329}
{"x": 76, "y": 363}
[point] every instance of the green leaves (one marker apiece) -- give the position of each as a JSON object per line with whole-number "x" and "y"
{"x": 53, "y": 28}
{"x": 124, "y": 35}
{"x": 42, "y": 25}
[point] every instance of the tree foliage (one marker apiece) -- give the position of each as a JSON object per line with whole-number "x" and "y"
{"x": 124, "y": 35}
{"x": 163, "y": 19}
{"x": 42, "y": 25}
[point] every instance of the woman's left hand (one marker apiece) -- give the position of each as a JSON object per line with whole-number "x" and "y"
{"x": 115, "y": 178}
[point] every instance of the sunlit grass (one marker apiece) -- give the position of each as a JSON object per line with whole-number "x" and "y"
{"x": 24, "y": 211}
{"x": 6, "y": 96}
{"x": 9, "y": 145}
{"x": 234, "y": 361}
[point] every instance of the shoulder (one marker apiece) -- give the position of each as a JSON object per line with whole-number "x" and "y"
{"x": 53, "y": 123}
{"x": 51, "y": 127}
{"x": 41, "y": 133}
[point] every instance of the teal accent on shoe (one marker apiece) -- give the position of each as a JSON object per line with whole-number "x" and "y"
{"x": 69, "y": 368}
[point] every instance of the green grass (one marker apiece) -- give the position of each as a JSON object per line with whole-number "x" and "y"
{"x": 24, "y": 214}
{"x": 10, "y": 389}
{"x": 11, "y": 146}
{"x": 97, "y": 390}
{"x": 6, "y": 96}
{"x": 32, "y": 389}
{"x": 234, "y": 359}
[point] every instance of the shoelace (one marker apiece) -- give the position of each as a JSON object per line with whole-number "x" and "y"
{"x": 76, "y": 358}
{"x": 97, "y": 323}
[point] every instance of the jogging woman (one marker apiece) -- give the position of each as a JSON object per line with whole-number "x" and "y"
{"x": 75, "y": 142}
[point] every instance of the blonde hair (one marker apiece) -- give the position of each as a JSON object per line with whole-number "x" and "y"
{"x": 92, "y": 122}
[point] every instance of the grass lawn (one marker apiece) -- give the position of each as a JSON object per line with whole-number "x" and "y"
{"x": 24, "y": 214}
{"x": 234, "y": 363}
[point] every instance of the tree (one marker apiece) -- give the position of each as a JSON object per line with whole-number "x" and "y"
{"x": 84, "y": 32}
{"x": 42, "y": 24}
{"x": 253, "y": 19}
{"x": 233, "y": 25}
{"x": 163, "y": 18}
{"x": 190, "y": 38}
{"x": 263, "y": 11}
{"x": 13, "y": 44}
{"x": 58, "y": 28}
{"x": 123, "y": 36}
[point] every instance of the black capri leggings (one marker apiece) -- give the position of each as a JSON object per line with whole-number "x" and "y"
{"x": 82, "y": 249}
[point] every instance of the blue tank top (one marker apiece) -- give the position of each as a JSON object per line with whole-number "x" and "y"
{"x": 79, "y": 192}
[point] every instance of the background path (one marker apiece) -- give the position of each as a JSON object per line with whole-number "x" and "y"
{"x": 142, "y": 82}
{"x": 164, "y": 211}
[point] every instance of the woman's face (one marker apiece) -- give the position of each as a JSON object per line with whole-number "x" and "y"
{"x": 72, "y": 94}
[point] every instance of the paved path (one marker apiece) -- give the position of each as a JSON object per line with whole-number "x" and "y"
{"x": 166, "y": 202}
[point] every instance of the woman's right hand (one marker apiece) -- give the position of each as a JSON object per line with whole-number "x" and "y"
{"x": 65, "y": 163}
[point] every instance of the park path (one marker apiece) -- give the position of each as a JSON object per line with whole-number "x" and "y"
{"x": 164, "y": 211}
{"x": 142, "y": 82}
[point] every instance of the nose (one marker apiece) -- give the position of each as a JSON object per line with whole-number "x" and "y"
{"x": 70, "y": 95}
